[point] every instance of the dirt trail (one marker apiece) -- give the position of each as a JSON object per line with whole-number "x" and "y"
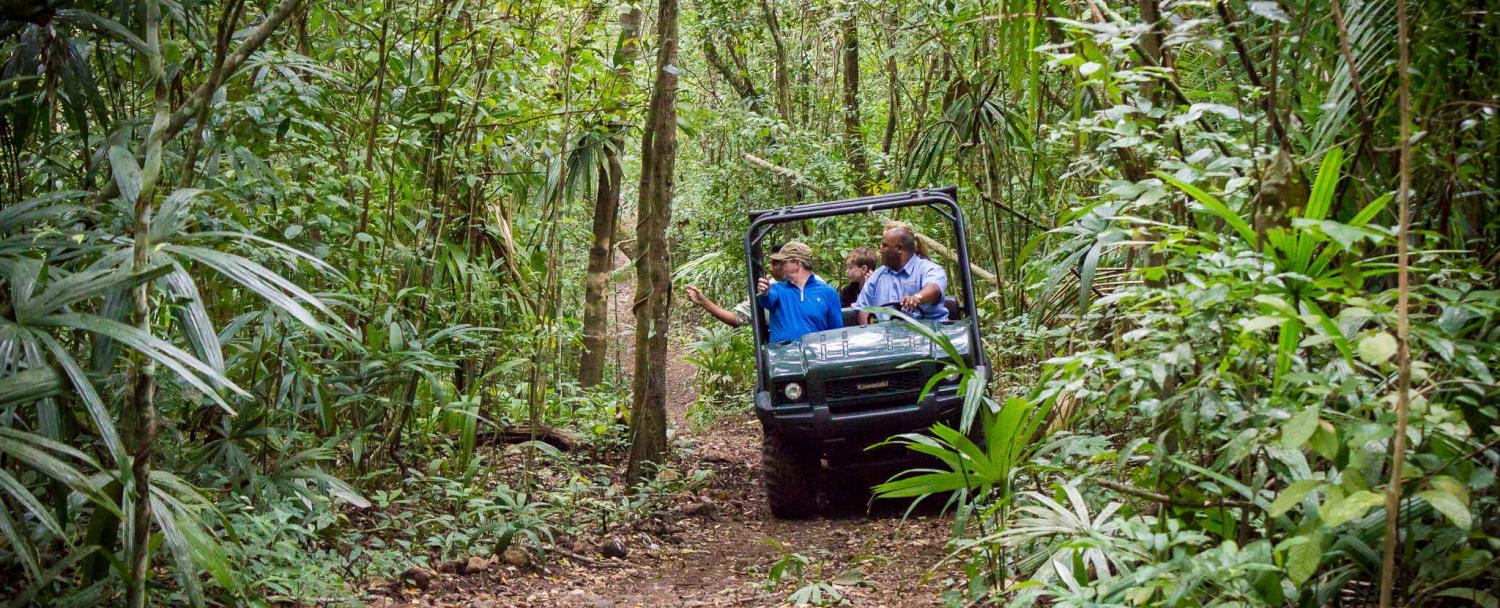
{"x": 714, "y": 547}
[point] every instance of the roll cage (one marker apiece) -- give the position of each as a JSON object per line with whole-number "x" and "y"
{"x": 942, "y": 200}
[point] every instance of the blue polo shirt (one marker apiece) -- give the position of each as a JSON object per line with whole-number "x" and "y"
{"x": 796, "y": 311}
{"x": 886, "y": 286}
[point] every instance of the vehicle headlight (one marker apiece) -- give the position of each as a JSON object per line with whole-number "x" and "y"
{"x": 793, "y": 391}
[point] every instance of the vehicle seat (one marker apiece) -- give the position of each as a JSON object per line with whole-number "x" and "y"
{"x": 851, "y": 317}
{"x": 955, "y": 310}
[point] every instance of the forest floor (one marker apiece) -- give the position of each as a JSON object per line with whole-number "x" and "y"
{"x": 715, "y": 545}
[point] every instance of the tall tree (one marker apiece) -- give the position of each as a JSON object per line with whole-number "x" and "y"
{"x": 852, "y": 130}
{"x": 648, "y": 414}
{"x": 606, "y": 211}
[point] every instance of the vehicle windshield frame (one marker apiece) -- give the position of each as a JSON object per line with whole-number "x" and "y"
{"x": 943, "y": 200}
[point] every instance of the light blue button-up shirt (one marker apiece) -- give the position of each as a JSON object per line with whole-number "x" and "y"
{"x": 886, "y": 286}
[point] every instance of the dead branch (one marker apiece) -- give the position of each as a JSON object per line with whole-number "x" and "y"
{"x": 784, "y": 173}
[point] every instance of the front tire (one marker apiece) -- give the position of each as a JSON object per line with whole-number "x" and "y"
{"x": 789, "y": 474}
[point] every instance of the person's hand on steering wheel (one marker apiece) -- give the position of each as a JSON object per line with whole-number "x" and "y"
{"x": 911, "y": 303}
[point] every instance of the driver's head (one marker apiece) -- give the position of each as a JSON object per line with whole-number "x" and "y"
{"x": 778, "y": 267}
{"x": 897, "y": 246}
{"x": 792, "y": 259}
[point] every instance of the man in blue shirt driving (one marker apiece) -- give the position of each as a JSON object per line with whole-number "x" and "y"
{"x": 905, "y": 278}
{"x": 800, "y": 303}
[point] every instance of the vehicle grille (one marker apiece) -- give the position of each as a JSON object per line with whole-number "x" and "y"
{"x": 870, "y": 392}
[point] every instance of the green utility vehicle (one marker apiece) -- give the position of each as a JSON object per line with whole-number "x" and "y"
{"x": 823, "y": 399}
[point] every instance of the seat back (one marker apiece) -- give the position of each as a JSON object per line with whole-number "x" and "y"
{"x": 955, "y": 310}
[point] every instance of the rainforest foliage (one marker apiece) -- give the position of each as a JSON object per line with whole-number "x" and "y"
{"x": 278, "y": 277}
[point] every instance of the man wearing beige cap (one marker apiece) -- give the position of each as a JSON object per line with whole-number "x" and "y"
{"x": 800, "y": 303}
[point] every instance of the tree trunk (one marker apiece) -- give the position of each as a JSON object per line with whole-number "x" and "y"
{"x": 852, "y": 132}
{"x": 139, "y": 412}
{"x": 732, "y": 74}
{"x": 648, "y": 416}
{"x": 783, "y": 82}
{"x": 596, "y": 284}
{"x": 606, "y": 212}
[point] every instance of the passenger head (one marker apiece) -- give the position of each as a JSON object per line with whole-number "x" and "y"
{"x": 897, "y": 247}
{"x": 794, "y": 258}
{"x": 860, "y": 263}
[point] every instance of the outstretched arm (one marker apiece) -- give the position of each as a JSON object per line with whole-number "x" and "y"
{"x": 718, "y": 312}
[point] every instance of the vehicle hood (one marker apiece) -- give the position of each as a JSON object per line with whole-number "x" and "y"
{"x": 856, "y": 350}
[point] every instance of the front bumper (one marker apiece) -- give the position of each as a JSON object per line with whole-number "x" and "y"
{"x": 841, "y": 434}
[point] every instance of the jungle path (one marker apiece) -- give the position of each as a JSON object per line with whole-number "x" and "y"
{"x": 714, "y": 546}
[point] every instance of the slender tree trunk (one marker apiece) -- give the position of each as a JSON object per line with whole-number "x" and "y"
{"x": 893, "y": 86}
{"x": 648, "y": 416}
{"x": 227, "y": 22}
{"x": 783, "y": 80}
{"x": 139, "y": 413}
{"x": 853, "y": 136}
{"x": 364, "y": 214}
{"x": 1403, "y": 286}
{"x": 606, "y": 213}
{"x": 736, "y": 77}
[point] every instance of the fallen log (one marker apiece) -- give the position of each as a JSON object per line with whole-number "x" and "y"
{"x": 562, "y": 439}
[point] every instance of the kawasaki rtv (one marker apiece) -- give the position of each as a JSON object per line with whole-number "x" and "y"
{"x": 823, "y": 399}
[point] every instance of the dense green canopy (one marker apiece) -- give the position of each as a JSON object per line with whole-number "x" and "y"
{"x": 265, "y": 264}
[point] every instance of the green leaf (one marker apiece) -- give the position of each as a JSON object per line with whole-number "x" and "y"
{"x": 1302, "y": 558}
{"x": 1086, "y": 277}
{"x": 28, "y": 386}
{"x": 1450, "y": 498}
{"x": 99, "y": 412}
{"x": 1299, "y": 428}
{"x": 21, "y": 495}
{"x": 1325, "y": 186}
{"x": 1261, "y": 322}
{"x": 1286, "y": 348}
{"x": 187, "y": 367}
{"x": 193, "y": 317}
{"x": 1214, "y": 206}
{"x": 127, "y": 173}
{"x": 1353, "y": 506}
{"x": 38, "y": 452}
{"x": 1377, "y": 348}
{"x": 20, "y": 545}
{"x": 1325, "y": 441}
{"x": 1479, "y": 598}
{"x": 1292, "y": 495}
